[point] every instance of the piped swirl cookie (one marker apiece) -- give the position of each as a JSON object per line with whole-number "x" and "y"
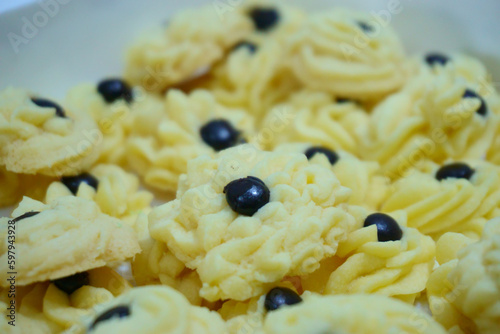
{"x": 67, "y": 236}
{"x": 195, "y": 124}
{"x": 457, "y": 197}
{"x": 255, "y": 216}
{"x": 348, "y": 54}
{"x": 38, "y": 136}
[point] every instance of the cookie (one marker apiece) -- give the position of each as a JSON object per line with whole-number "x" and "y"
{"x": 369, "y": 187}
{"x": 273, "y": 20}
{"x": 493, "y": 154}
{"x": 315, "y": 118}
{"x": 253, "y": 75}
{"x": 154, "y": 309}
{"x": 192, "y": 41}
{"x": 437, "y": 116}
{"x": 196, "y": 125}
{"x": 61, "y": 303}
{"x": 155, "y": 264}
{"x": 292, "y": 217}
{"x": 469, "y": 68}
{"x": 118, "y": 109}
{"x": 449, "y": 244}
{"x": 248, "y": 316}
{"x": 67, "y": 236}
{"x": 44, "y": 138}
{"x": 115, "y": 191}
{"x": 464, "y": 292}
{"x": 396, "y": 265}
{"x": 349, "y": 314}
{"x": 14, "y": 186}
{"x": 347, "y": 53}
{"x": 457, "y": 197}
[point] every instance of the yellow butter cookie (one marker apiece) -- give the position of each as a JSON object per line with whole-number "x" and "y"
{"x": 115, "y": 191}
{"x": 195, "y": 124}
{"x": 60, "y": 304}
{"x": 347, "y": 53}
{"x": 353, "y": 314}
{"x": 465, "y": 292}
{"x": 369, "y": 187}
{"x": 293, "y": 215}
{"x": 435, "y": 117}
{"x": 118, "y": 110}
{"x": 155, "y": 264}
{"x": 154, "y": 309}
{"x": 457, "y": 197}
{"x": 37, "y": 136}
{"x": 67, "y": 236}
{"x": 191, "y": 41}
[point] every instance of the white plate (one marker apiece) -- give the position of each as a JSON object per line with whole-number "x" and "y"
{"x": 48, "y": 49}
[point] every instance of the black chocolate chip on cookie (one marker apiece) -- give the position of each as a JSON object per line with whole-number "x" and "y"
{"x": 73, "y": 182}
{"x": 344, "y": 100}
{"x": 44, "y": 103}
{"x": 251, "y": 47}
{"x": 387, "y": 228}
{"x": 264, "y": 19}
{"x": 25, "y": 215}
{"x": 280, "y": 296}
{"x": 114, "y": 89}
{"x": 72, "y": 283}
{"x": 219, "y": 134}
{"x": 436, "y": 59}
{"x": 456, "y": 170}
{"x": 120, "y": 311}
{"x": 331, "y": 155}
{"x": 246, "y": 196}
{"x": 482, "y": 110}
{"x": 365, "y": 27}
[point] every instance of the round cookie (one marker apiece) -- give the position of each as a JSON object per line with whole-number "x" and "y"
{"x": 469, "y": 68}
{"x": 451, "y": 204}
{"x": 316, "y": 118}
{"x": 397, "y": 269}
{"x": 253, "y": 80}
{"x": 464, "y": 292}
{"x": 436, "y": 116}
{"x": 195, "y": 125}
{"x": 44, "y": 138}
{"x": 284, "y": 231}
{"x": 67, "y": 236}
{"x": 117, "y": 192}
{"x": 348, "y": 54}
{"x": 365, "y": 263}
{"x": 353, "y": 314}
{"x": 118, "y": 110}
{"x": 193, "y": 40}
{"x": 369, "y": 187}
{"x": 253, "y": 75}
{"x": 154, "y": 309}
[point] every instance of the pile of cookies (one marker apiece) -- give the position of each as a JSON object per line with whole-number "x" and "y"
{"x": 307, "y": 177}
